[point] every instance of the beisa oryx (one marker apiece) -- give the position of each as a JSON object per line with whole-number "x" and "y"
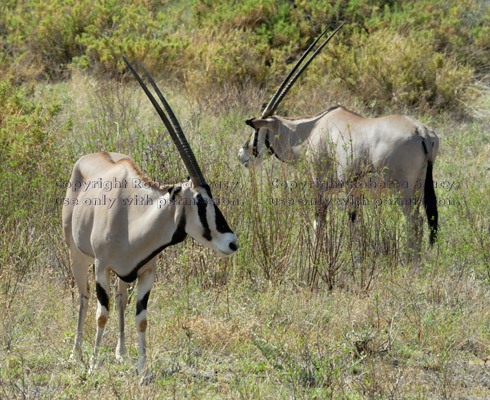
{"x": 344, "y": 146}
{"x": 125, "y": 237}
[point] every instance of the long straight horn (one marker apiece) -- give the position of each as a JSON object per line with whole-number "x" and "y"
{"x": 178, "y": 137}
{"x": 183, "y": 140}
{"x": 285, "y": 85}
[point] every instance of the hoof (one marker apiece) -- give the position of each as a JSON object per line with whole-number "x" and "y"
{"x": 147, "y": 378}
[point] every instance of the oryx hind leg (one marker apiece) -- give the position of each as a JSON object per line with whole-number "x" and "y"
{"x": 121, "y": 302}
{"x": 102, "y": 287}
{"x": 145, "y": 283}
{"x": 80, "y": 264}
{"x": 411, "y": 209}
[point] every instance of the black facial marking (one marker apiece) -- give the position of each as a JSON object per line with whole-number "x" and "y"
{"x": 102, "y": 296}
{"x": 425, "y": 147}
{"x": 173, "y": 191}
{"x": 178, "y": 236}
{"x": 201, "y": 210}
{"x": 142, "y": 304}
{"x": 221, "y": 224}
{"x": 255, "y": 152}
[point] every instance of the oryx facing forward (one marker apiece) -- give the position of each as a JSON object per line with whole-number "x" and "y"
{"x": 344, "y": 146}
{"x": 120, "y": 220}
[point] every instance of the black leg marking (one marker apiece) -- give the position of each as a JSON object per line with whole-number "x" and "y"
{"x": 353, "y": 215}
{"x": 102, "y": 296}
{"x": 142, "y": 304}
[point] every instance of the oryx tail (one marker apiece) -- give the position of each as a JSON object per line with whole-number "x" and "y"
{"x": 430, "y": 203}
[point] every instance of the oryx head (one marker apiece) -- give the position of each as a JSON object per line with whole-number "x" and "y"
{"x": 196, "y": 212}
{"x": 199, "y": 216}
{"x": 259, "y": 145}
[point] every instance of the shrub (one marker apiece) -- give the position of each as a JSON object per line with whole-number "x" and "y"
{"x": 387, "y": 70}
{"x": 26, "y": 163}
{"x": 444, "y": 44}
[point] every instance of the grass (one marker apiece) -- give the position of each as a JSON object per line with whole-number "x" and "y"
{"x": 278, "y": 320}
{"x": 402, "y": 340}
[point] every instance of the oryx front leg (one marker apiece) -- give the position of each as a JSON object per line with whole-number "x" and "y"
{"x": 102, "y": 288}
{"x": 320, "y": 217}
{"x": 121, "y": 301}
{"x": 145, "y": 282}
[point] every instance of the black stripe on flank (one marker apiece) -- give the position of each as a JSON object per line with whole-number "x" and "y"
{"x": 102, "y": 296}
{"x": 142, "y": 304}
{"x": 178, "y": 236}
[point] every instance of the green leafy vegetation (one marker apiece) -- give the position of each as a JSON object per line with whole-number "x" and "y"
{"x": 445, "y": 43}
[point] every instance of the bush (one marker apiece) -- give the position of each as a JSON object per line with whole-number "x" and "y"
{"x": 27, "y": 165}
{"x": 413, "y": 54}
{"x": 47, "y": 37}
{"x": 389, "y": 71}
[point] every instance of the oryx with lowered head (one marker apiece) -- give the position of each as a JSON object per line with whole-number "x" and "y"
{"x": 120, "y": 220}
{"x": 344, "y": 146}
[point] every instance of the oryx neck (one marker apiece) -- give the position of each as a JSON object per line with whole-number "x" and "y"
{"x": 292, "y": 136}
{"x": 269, "y": 147}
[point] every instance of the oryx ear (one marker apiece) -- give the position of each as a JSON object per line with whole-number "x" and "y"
{"x": 258, "y": 123}
{"x": 175, "y": 191}
{"x": 249, "y": 122}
